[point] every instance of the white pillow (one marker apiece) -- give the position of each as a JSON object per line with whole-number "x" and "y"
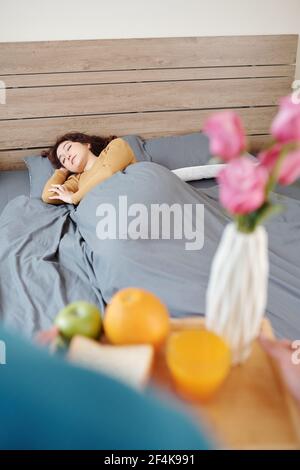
{"x": 192, "y": 173}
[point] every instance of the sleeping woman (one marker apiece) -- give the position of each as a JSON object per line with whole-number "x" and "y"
{"x": 83, "y": 161}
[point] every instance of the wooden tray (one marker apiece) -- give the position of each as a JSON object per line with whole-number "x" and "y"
{"x": 252, "y": 409}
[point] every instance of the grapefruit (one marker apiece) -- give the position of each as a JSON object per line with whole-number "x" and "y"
{"x": 136, "y": 316}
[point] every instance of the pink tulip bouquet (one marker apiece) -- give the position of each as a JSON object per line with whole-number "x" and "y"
{"x": 245, "y": 185}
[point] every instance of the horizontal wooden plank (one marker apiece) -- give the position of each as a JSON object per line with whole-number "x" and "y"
{"x": 146, "y": 53}
{"x": 127, "y": 76}
{"x": 142, "y": 97}
{"x": 24, "y": 133}
{"x": 258, "y": 142}
{"x": 13, "y": 159}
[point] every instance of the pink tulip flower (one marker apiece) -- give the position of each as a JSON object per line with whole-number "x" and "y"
{"x": 226, "y": 134}
{"x": 242, "y": 186}
{"x": 286, "y": 124}
{"x": 290, "y": 167}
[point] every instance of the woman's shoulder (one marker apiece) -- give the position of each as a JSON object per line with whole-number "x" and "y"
{"x": 116, "y": 145}
{"x": 118, "y": 141}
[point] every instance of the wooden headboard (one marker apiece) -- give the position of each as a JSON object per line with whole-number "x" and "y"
{"x": 150, "y": 87}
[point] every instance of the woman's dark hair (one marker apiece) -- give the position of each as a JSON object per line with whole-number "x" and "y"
{"x": 97, "y": 145}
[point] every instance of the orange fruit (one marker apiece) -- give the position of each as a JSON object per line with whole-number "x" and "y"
{"x": 136, "y": 316}
{"x": 199, "y": 362}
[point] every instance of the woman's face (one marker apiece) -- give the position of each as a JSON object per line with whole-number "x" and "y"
{"x": 73, "y": 155}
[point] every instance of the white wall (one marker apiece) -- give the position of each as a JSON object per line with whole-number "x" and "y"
{"x": 39, "y": 20}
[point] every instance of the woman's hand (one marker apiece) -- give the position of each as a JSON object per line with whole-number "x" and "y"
{"x": 46, "y": 337}
{"x": 61, "y": 193}
{"x": 282, "y": 352}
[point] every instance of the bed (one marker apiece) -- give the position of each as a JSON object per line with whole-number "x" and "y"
{"x": 154, "y": 88}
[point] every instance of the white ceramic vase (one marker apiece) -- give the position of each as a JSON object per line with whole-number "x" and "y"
{"x": 237, "y": 290}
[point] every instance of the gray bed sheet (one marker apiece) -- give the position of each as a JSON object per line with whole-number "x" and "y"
{"x": 12, "y": 184}
{"x": 50, "y": 255}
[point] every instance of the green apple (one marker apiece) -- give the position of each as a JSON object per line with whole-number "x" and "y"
{"x": 79, "y": 318}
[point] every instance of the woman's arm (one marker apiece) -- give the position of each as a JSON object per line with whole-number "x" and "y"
{"x": 59, "y": 179}
{"x": 115, "y": 157}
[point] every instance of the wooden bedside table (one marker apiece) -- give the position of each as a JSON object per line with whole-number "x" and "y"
{"x": 252, "y": 409}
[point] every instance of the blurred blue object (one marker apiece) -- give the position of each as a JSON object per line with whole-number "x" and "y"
{"x": 46, "y": 403}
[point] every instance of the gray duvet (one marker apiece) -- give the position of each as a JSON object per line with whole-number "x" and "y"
{"x": 52, "y": 255}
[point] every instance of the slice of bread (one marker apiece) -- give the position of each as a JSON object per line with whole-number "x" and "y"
{"x": 131, "y": 364}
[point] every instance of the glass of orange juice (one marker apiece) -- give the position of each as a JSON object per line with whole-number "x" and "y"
{"x": 199, "y": 362}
